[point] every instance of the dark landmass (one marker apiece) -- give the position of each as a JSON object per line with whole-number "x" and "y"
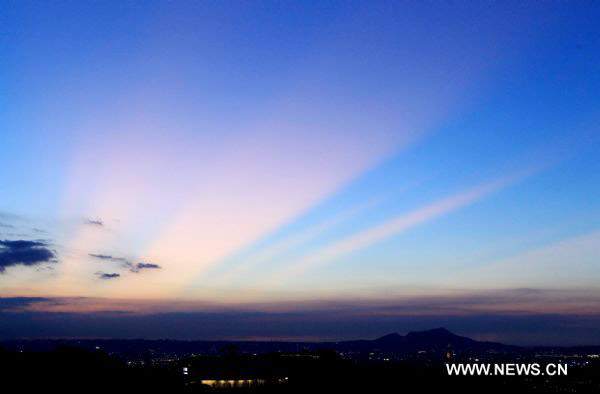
{"x": 416, "y": 361}
{"x": 435, "y": 341}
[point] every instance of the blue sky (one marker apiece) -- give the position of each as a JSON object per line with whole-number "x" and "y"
{"x": 273, "y": 155}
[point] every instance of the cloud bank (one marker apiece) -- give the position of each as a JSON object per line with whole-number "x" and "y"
{"x": 486, "y": 316}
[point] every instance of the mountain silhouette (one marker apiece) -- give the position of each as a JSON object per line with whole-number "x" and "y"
{"x": 434, "y": 340}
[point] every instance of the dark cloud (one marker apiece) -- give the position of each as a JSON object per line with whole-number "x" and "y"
{"x": 103, "y": 275}
{"x": 141, "y": 266}
{"x": 93, "y": 222}
{"x": 6, "y": 225}
{"x": 148, "y": 265}
{"x": 23, "y": 252}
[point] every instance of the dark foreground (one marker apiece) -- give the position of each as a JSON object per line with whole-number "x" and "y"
{"x": 69, "y": 369}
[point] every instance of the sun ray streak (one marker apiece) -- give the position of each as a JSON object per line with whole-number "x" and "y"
{"x": 388, "y": 229}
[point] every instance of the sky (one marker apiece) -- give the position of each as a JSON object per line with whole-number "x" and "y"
{"x": 300, "y": 170}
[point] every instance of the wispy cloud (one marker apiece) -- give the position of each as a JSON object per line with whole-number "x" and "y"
{"x": 125, "y": 263}
{"x": 142, "y": 266}
{"x": 107, "y": 257}
{"x": 93, "y": 222}
{"x": 103, "y": 275}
